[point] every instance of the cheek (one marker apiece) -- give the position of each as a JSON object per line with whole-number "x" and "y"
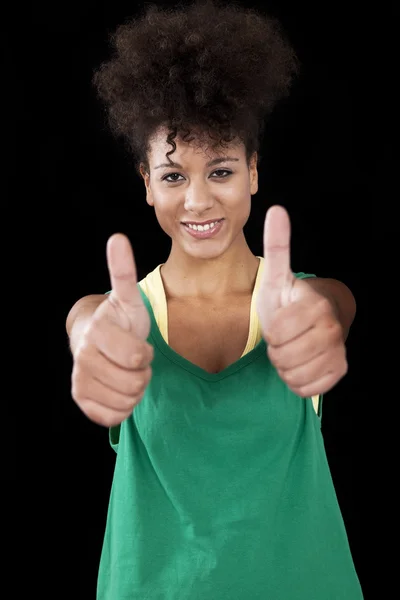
{"x": 238, "y": 202}
{"x": 166, "y": 210}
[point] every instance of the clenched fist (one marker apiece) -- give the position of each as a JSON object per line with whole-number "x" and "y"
{"x": 304, "y": 336}
{"x": 111, "y": 361}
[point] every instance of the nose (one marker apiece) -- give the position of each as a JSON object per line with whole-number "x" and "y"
{"x": 198, "y": 199}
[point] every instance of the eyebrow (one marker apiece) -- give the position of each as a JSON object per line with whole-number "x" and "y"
{"x": 215, "y": 161}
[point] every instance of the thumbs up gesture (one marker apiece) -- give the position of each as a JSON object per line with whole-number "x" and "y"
{"x": 303, "y": 334}
{"x": 111, "y": 367}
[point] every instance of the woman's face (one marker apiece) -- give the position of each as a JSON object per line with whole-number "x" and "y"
{"x": 203, "y": 186}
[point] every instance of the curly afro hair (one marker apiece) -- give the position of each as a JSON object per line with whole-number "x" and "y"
{"x": 208, "y": 69}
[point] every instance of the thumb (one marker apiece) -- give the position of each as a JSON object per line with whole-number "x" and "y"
{"x": 122, "y": 270}
{"x": 277, "y": 275}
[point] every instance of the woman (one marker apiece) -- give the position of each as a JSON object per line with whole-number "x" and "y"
{"x": 221, "y": 488}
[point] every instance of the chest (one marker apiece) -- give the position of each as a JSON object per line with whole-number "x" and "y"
{"x": 210, "y": 336}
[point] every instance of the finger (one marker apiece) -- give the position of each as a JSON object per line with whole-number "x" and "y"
{"x": 299, "y": 351}
{"x": 320, "y": 366}
{"x": 125, "y": 381}
{"x": 103, "y": 415}
{"x": 291, "y": 322}
{"x": 297, "y": 319}
{"x": 320, "y": 386}
{"x": 87, "y": 388}
{"x": 119, "y": 346}
{"x": 122, "y": 270}
{"x": 277, "y": 271}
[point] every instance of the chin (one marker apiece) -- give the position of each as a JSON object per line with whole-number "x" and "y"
{"x": 203, "y": 252}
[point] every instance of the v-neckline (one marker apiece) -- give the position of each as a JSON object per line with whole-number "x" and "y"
{"x": 247, "y": 356}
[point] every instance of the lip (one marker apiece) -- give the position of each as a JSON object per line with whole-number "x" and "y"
{"x": 200, "y": 223}
{"x": 203, "y": 235}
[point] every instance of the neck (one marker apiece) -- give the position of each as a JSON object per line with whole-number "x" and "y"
{"x": 191, "y": 278}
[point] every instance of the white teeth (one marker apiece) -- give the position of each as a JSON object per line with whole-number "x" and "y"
{"x": 202, "y": 227}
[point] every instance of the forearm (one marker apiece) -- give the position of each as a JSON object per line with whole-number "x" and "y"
{"x": 340, "y": 297}
{"x": 79, "y": 317}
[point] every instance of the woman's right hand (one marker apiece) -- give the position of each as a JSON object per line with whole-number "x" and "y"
{"x": 111, "y": 362}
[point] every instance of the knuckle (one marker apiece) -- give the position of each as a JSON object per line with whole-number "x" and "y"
{"x": 111, "y": 419}
{"x": 90, "y": 411}
{"x": 337, "y": 331}
{"x": 141, "y": 356}
{"x": 345, "y": 367}
{"x": 77, "y": 383}
{"x": 84, "y": 354}
{"x": 301, "y": 391}
{"x": 98, "y": 319}
{"x": 75, "y": 393}
{"x": 272, "y": 355}
{"x": 126, "y": 399}
{"x": 341, "y": 363}
{"x": 80, "y": 351}
{"x": 136, "y": 360}
{"x": 147, "y": 376}
{"x": 127, "y": 404}
{"x": 106, "y": 416}
{"x": 294, "y": 389}
{"x": 288, "y": 377}
{"x": 101, "y": 417}
{"x": 323, "y": 304}
{"x": 141, "y": 382}
{"x": 137, "y": 387}
{"x": 275, "y": 357}
{"x": 91, "y": 331}
{"x": 130, "y": 390}
{"x": 114, "y": 398}
{"x": 74, "y": 390}
{"x": 150, "y": 351}
{"x": 331, "y": 330}
{"x": 333, "y": 325}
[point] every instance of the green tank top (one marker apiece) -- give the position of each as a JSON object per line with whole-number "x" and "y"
{"x": 222, "y": 490}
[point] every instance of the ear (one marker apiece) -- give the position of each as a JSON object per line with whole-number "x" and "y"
{"x": 253, "y": 173}
{"x": 146, "y": 178}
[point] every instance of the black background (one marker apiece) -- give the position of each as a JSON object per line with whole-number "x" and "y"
{"x": 327, "y": 157}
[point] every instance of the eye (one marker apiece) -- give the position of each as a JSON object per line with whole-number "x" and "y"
{"x": 223, "y": 171}
{"x": 165, "y": 178}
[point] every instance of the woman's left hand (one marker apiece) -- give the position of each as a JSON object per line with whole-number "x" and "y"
{"x": 305, "y": 340}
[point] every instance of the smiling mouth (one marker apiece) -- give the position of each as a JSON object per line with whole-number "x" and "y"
{"x": 202, "y": 232}
{"x": 206, "y": 226}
